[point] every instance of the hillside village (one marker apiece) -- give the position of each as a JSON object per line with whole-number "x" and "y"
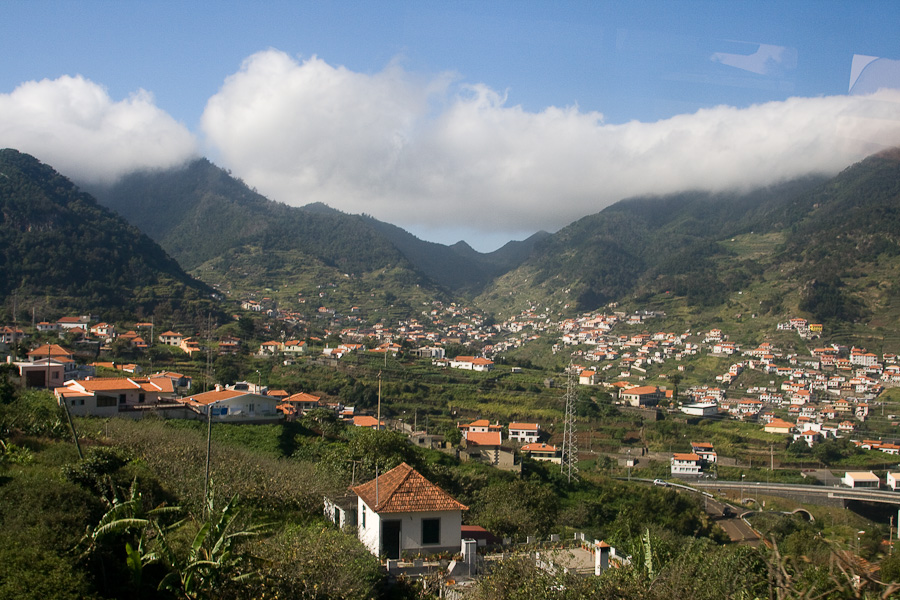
{"x": 823, "y": 395}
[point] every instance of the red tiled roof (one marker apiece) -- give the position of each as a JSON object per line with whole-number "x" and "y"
{"x": 404, "y": 490}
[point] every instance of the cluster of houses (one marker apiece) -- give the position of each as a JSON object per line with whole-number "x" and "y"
{"x": 483, "y": 441}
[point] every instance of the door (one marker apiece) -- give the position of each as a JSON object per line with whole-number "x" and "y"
{"x": 390, "y": 539}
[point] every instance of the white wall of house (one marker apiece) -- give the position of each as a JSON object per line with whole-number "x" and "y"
{"x": 369, "y": 531}
{"x": 89, "y": 406}
{"x": 246, "y": 407}
{"x": 526, "y": 436}
{"x": 893, "y": 480}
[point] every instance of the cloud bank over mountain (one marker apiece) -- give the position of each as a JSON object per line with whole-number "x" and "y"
{"x": 435, "y": 152}
{"x": 72, "y": 124}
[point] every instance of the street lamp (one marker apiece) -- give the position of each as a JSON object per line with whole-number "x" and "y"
{"x": 741, "y": 499}
{"x": 858, "y": 533}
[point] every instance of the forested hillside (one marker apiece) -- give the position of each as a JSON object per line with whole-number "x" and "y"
{"x": 228, "y": 234}
{"x": 60, "y": 249}
{"x": 826, "y": 248}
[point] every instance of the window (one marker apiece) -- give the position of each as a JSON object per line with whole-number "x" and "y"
{"x": 251, "y": 407}
{"x": 105, "y": 401}
{"x": 431, "y": 531}
{"x": 121, "y": 398}
{"x": 364, "y": 517}
{"x": 142, "y": 397}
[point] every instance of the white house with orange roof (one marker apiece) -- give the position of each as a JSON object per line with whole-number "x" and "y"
{"x": 542, "y": 451}
{"x": 50, "y": 365}
{"x": 235, "y": 406}
{"x": 472, "y": 363}
{"x": 171, "y": 338}
{"x": 401, "y": 511}
{"x": 588, "y": 377}
{"x": 778, "y": 426}
{"x": 647, "y": 395}
{"x": 705, "y": 451}
{"x": 478, "y": 426}
{"x": 685, "y": 464}
{"x": 113, "y": 396}
{"x": 303, "y": 402}
{"x": 524, "y": 433}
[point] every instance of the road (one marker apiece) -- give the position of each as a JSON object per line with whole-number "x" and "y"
{"x": 736, "y": 528}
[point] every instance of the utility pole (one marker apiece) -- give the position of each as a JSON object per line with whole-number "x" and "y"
{"x": 208, "y": 458}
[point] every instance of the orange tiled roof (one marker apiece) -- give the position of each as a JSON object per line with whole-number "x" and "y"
{"x": 532, "y": 426}
{"x": 51, "y": 350}
{"x": 403, "y": 490}
{"x": 538, "y": 447}
{"x": 302, "y": 397}
{"x": 107, "y": 383}
{"x": 214, "y": 396}
{"x": 685, "y": 456}
{"x": 486, "y": 438}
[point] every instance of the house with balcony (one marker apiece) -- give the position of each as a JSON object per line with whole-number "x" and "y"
{"x": 685, "y": 465}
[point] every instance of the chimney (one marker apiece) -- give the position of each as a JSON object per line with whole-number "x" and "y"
{"x": 218, "y": 387}
{"x": 601, "y": 557}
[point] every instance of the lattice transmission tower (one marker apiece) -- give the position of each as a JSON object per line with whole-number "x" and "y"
{"x": 569, "y": 463}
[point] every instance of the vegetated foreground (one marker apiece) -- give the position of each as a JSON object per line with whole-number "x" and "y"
{"x": 130, "y": 519}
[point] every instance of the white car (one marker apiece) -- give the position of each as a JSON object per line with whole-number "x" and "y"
{"x": 661, "y": 482}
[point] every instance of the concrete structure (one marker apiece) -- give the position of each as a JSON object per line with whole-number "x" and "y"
{"x": 341, "y": 510}
{"x": 861, "y": 479}
{"x": 701, "y": 409}
{"x": 401, "y": 511}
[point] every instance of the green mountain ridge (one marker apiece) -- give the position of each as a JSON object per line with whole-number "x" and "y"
{"x": 823, "y": 247}
{"x": 211, "y": 222}
{"x": 60, "y": 249}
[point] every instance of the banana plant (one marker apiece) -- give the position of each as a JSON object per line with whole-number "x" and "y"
{"x": 213, "y": 559}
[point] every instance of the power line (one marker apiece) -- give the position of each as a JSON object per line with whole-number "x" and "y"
{"x": 569, "y": 462}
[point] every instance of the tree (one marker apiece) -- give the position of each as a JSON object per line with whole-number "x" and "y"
{"x": 517, "y": 508}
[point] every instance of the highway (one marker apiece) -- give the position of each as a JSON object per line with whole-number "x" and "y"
{"x": 751, "y": 489}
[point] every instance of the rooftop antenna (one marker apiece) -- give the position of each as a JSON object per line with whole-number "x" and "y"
{"x": 568, "y": 464}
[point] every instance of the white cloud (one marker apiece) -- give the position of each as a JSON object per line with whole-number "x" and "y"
{"x": 73, "y": 125}
{"x": 427, "y": 154}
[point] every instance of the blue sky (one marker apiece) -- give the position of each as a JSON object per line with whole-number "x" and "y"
{"x": 478, "y": 120}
